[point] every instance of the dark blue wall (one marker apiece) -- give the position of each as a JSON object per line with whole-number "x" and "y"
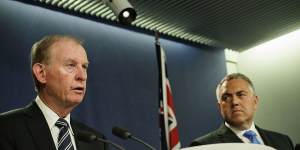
{"x": 122, "y": 79}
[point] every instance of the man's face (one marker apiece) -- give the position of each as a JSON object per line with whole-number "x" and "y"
{"x": 66, "y": 73}
{"x": 238, "y": 103}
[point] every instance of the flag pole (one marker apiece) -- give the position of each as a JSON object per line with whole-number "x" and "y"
{"x": 162, "y": 109}
{"x": 156, "y": 37}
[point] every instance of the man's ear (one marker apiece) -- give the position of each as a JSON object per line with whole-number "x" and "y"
{"x": 219, "y": 106}
{"x": 220, "y": 109}
{"x": 256, "y": 100}
{"x": 39, "y": 72}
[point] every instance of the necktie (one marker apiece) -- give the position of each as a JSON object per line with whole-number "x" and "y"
{"x": 64, "y": 137}
{"x": 251, "y": 135}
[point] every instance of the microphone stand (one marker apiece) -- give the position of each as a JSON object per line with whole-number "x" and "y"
{"x": 142, "y": 142}
{"x": 89, "y": 137}
{"x": 124, "y": 134}
{"x": 109, "y": 142}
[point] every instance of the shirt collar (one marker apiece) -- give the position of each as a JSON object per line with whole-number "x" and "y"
{"x": 241, "y": 132}
{"x": 50, "y": 116}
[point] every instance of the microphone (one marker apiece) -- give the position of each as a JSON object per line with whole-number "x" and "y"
{"x": 125, "y": 134}
{"x": 89, "y": 137}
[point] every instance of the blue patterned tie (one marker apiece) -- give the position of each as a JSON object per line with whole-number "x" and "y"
{"x": 251, "y": 135}
{"x": 64, "y": 138}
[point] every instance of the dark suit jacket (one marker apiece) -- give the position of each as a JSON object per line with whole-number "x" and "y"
{"x": 27, "y": 129}
{"x": 226, "y": 135}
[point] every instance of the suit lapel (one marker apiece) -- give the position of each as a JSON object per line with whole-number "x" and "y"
{"x": 264, "y": 136}
{"x": 227, "y": 136}
{"x": 38, "y": 127}
{"x": 80, "y": 145}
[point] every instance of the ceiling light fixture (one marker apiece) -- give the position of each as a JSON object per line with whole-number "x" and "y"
{"x": 123, "y": 10}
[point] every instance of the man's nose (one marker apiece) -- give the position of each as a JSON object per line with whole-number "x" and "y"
{"x": 235, "y": 100}
{"x": 81, "y": 74}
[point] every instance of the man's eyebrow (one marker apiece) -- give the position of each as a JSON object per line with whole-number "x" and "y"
{"x": 242, "y": 91}
{"x": 226, "y": 94}
{"x": 69, "y": 60}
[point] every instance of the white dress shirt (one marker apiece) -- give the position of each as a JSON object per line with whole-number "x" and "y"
{"x": 240, "y": 133}
{"x": 51, "y": 118}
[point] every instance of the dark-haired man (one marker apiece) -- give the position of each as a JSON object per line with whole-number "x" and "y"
{"x": 237, "y": 103}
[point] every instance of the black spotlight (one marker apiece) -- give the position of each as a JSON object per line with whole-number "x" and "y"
{"x": 123, "y": 10}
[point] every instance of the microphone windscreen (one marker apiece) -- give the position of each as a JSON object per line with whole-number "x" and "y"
{"x": 120, "y": 132}
{"x": 86, "y": 136}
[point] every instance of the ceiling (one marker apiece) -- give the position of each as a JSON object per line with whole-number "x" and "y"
{"x": 233, "y": 24}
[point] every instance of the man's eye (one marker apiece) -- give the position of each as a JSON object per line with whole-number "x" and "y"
{"x": 241, "y": 94}
{"x": 70, "y": 67}
{"x": 85, "y": 67}
{"x": 225, "y": 98}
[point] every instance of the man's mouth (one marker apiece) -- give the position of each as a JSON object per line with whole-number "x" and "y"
{"x": 78, "y": 90}
{"x": 236, "y": 110}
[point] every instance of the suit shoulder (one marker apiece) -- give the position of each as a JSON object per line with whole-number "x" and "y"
{"x": 10, "y": 121}
{"x": 209, "y": 138}
{"x": 282, "y": 141}
{"x": 12, "y": 114}
{"x": 273, "y": 133}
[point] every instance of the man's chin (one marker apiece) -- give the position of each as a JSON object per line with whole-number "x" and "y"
{"x": 236, "y": 120}
{"x": 74, "y": 101}
{"x": 238, "y": 123}
{"x": 237, "y": 116}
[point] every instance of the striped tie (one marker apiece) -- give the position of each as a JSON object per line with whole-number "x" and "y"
{"x": 64, "y": 138}
{"x": 251, "y": 135}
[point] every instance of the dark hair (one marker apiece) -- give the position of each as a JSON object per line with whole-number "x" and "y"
{"x": 40, "y": 52}
{"x": 231, "y": 77}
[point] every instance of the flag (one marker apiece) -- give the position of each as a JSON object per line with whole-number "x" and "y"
{"x": 168, "y": 125}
